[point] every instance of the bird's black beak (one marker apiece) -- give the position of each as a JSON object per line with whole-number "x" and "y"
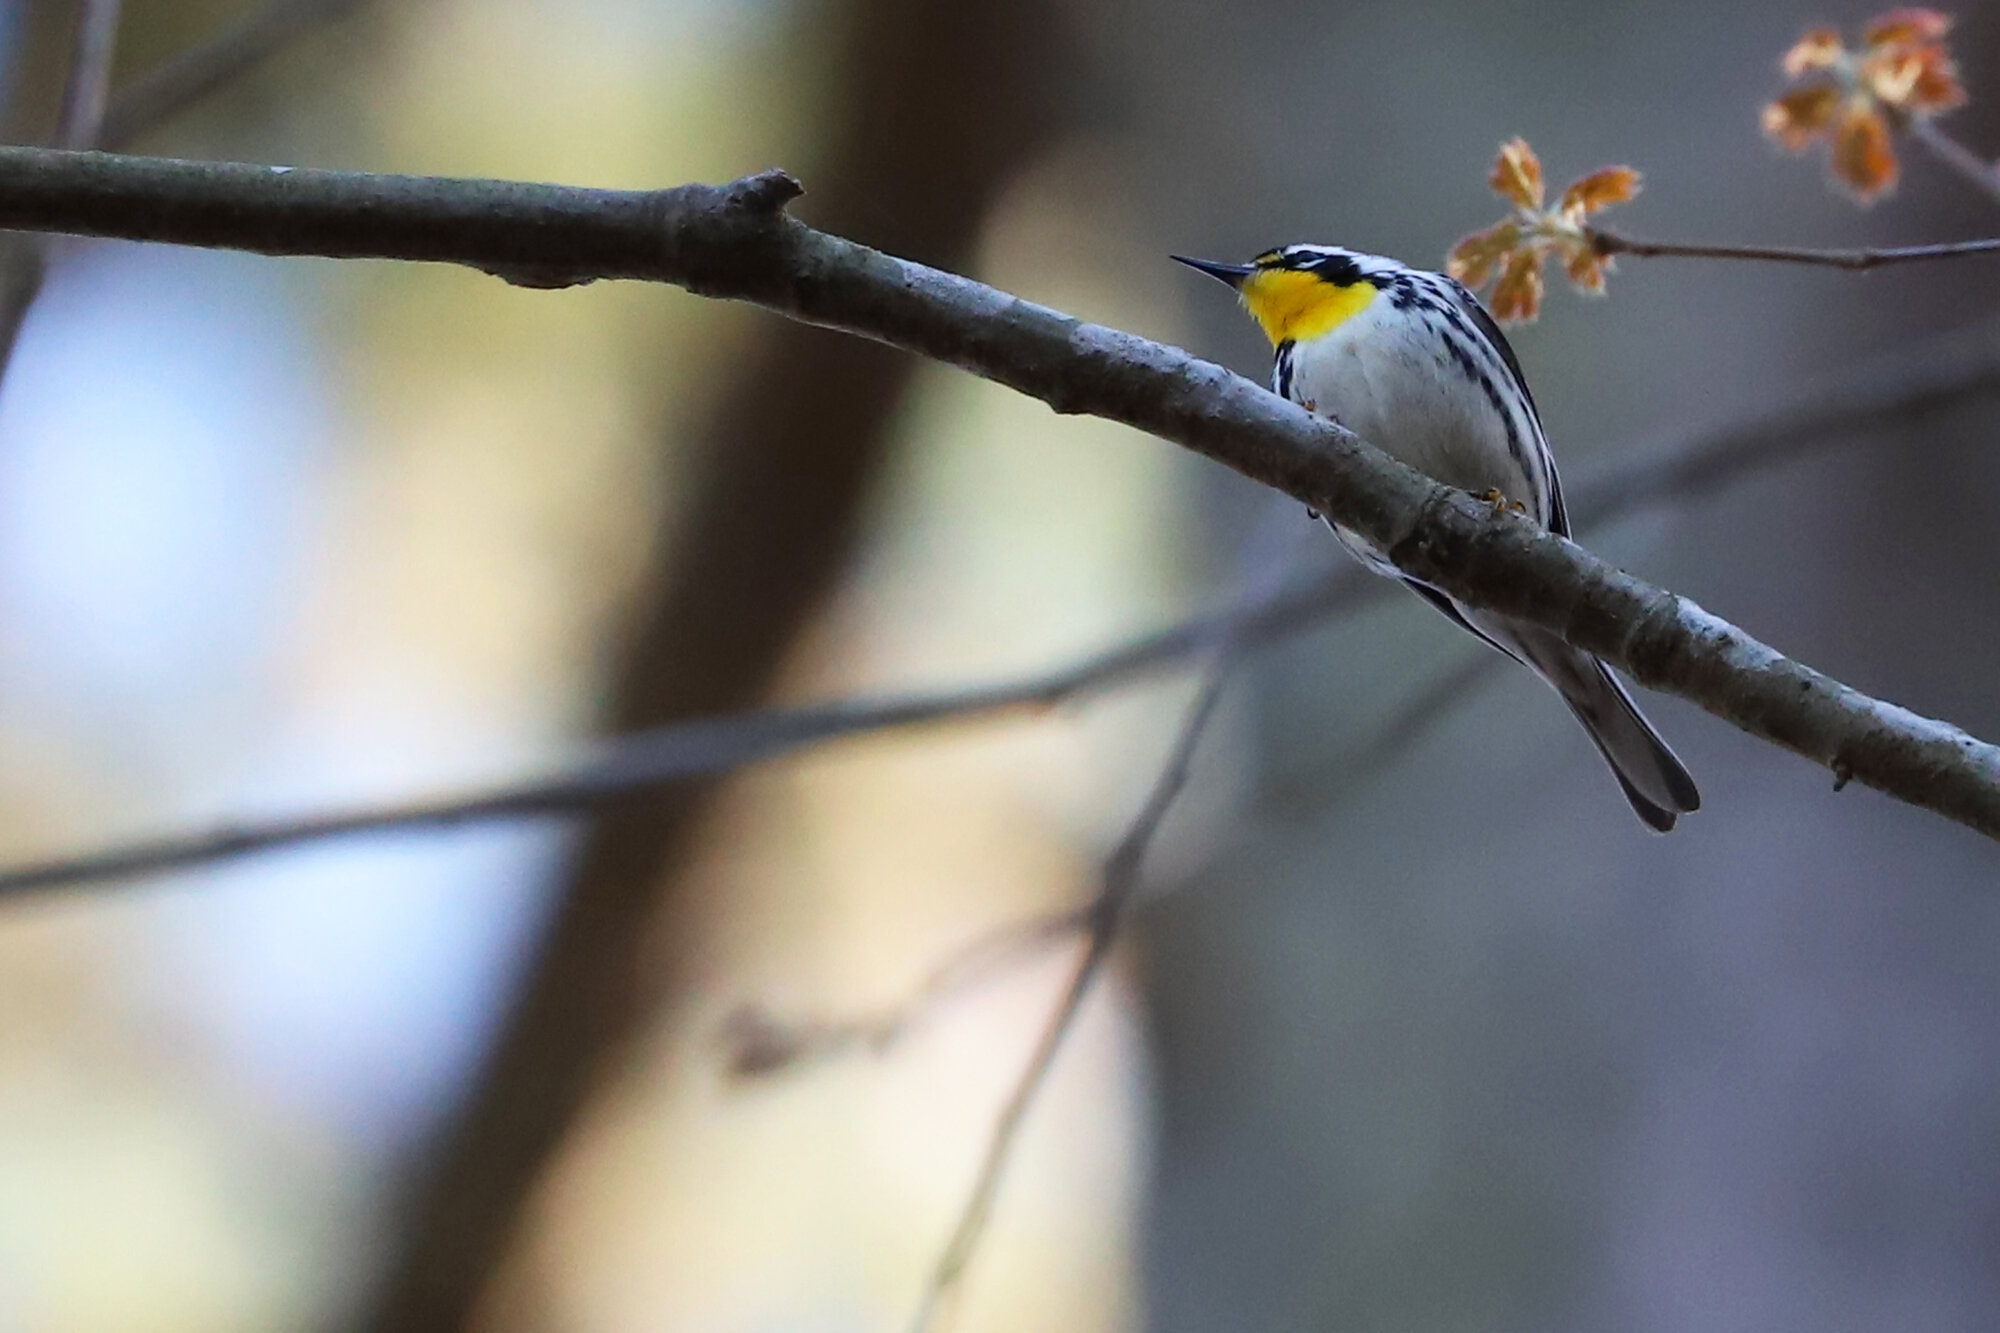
{"x": 1233, "y": 274}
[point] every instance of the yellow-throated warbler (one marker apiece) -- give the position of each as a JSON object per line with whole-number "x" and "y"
{"x": 1413, "y": 364}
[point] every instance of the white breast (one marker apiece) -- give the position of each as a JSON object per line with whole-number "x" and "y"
{"x": 1387, "y": 378}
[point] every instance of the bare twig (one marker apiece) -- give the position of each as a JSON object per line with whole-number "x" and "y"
{"x": 23, "y": 270}
{"x": 1615, "y": 243}
{"x": 1894, "y": 390}
{"x": 1418, "y": 715}
{"x": 24, "y": 260}
{"x": 171, "y": 87}
{"x": 88, "y": 90}
{"x": 706, "y": 746}
{"x": 1981, "y": 173}
{"x": 1104, "y": 916}
{"x": 758, "y": 1043}
{"x": 89, "y": 118}
{"x": 1100, "y": 919}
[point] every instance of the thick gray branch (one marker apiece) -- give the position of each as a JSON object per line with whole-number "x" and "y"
{"x": 735, "y": 241}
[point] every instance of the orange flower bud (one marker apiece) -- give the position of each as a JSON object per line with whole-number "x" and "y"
{"x": 1820, "y": 48}
{"x": 1517, "y": 298}
{"x": 1862, "y": 157}
{"x": 1599, "y": 190}
{"x": 1517, "y": 175}
{"x": 1586, "y": 267}
{"x": 1801, "y": 116}
{"x": 1906, "y": 25}
{"x": 1473, "y": 259}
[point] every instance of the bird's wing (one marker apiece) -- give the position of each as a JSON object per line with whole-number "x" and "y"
{"x": 1489, "y": 329}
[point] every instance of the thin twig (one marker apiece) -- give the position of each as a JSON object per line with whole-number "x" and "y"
{"x": 171, "y": 87}
{"x": 1981, "y": 173}
{"x": 23, "y": 269}
{"x": 1892, "y": 391}
{"x": 88, "y": 89}
{"x": 1105, "y": 915}
{"x": 757, "y": 1043}
{"x": 708, "y": 745}
{"x": 1420, "y": 714}
{"x": 90, "y": 118}
{"x": 24, "y": 259}
{"x": 1866, "y": 257}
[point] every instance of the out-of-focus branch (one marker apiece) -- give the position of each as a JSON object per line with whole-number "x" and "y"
{"x": 178, "y": 83}
{"x": 1897, "y": 390}
{"x": 1981, "y": 173}
{"x": 1865, "y": 257}
{"x": 704, "y": 747}
{"x": 88, "y": 90}
{"x": 757, "y": 1043}
{"x": 24, "y": 259}
{"x": 90, "y": 118}
{"x": 1104, "y": 916}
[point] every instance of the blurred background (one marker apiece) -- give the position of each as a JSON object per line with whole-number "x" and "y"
{"x": 1429, "y": 1034}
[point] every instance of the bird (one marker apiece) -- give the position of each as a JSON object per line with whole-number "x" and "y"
{"x": 1410, "y": 361}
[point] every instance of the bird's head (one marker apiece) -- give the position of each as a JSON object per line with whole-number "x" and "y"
{"x": 1299, "y": 292}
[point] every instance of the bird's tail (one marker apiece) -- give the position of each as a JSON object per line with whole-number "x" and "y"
{"x": 1656, "y": 782}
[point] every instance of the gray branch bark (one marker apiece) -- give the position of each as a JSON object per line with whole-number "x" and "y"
{"x": 736, "y": 241}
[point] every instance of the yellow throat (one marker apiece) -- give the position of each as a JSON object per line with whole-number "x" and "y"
{"x": 1294, "y": 306}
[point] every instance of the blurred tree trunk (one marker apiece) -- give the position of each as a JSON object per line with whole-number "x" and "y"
{"x": 939, "y": 105}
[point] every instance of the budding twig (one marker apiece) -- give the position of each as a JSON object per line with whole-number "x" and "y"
{"x": 1858, "y": 258}
{"x": 1983, "y": 174}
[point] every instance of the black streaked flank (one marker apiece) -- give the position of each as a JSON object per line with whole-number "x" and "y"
{"x": 1462, "y": 312}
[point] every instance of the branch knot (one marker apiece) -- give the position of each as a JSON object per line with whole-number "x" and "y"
{"x": 766, "y": 192}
